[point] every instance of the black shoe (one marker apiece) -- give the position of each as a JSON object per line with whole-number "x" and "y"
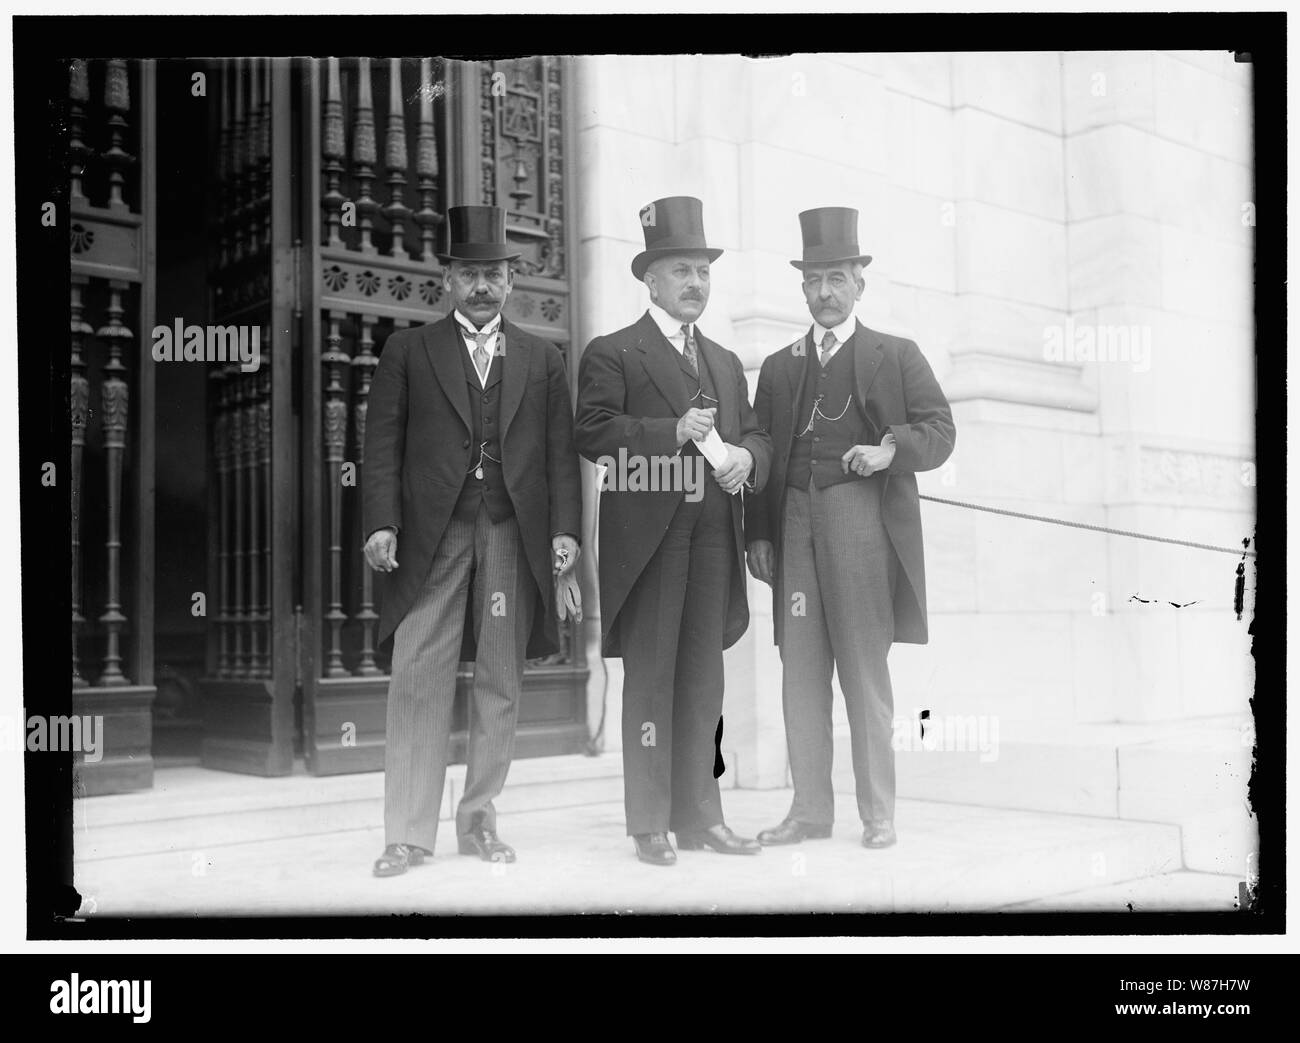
{"x": 397, "y": 858}
{"x": 486, "y": 844}
{"x": 721, "y": 839}
{"x": 879, "y": 834}
{"x": 654, "y": 849}
{"x": 792, "y": 831}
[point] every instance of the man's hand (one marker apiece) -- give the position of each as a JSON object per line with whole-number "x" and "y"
{"x": 564, "y": 554}
{"x": 761, "y": 559}
{"x": 868, "y": 459}
{"x": 695, "y": 423}
{"x": 735, "y": 468}
{"x": 381, "y": 550}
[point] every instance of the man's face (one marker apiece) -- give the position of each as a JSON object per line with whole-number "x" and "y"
{"x": 831, "y": 291}
{"x": 478, "y": 288}
{"x": 679, "y": 283}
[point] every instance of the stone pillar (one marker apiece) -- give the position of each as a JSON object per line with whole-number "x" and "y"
{"x": 794, "y": 133}
{"x": 1159, "y": 193}
{"x": 1005, "y": 596}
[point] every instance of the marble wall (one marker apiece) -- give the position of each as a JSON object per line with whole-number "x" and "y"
{"x": 1068, "y": 237}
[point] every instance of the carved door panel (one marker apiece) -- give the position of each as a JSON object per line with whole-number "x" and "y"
{"x": 112, "y": 138}
{"x": 392, "y": 143}
{"x": 249, "y": 688}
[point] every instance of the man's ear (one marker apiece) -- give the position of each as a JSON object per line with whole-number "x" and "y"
{"x": 862, "y": 285}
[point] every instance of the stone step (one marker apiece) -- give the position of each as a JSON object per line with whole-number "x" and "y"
{"x": 575, "y": 857}
{"x": 1192, "y": 774}
{"x": 1180, "y": 891}
{"x": 191, "y": 808}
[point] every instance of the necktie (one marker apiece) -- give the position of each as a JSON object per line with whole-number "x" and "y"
{"x": 481, "y": 358}
{"x": 688, "y": 349}
{"x": 828, "y": 342}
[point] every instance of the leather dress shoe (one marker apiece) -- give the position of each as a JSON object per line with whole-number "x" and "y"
{"x": 879, "y": 834}
{"x": 654, "y": 849}
{"x": 792, "y": 831}
{"x": 486, "y": 844}
{"x": 720, "y": 838}
{"x": 397, "y": 858}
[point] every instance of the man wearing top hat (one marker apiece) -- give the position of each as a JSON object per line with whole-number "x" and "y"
{"x": 672, "y": 570}
{"x": 836, "y": 532}
{"x": 472, "y": 499}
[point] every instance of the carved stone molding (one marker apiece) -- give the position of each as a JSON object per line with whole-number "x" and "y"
{"x": 1179, "y": 475}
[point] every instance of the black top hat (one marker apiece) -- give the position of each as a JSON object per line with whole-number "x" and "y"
{"x": 830, "y": 236}
{"x": 477, "y": 233}
{"x": 672, "y": 225}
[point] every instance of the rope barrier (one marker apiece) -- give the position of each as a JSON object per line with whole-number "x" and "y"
{"x": 1090, "y": 528}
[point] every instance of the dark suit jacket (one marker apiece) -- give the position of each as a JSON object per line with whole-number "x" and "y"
{"x": 630, "y": 396}
{"x": 418, "y": 434}
{"x": 898, "y": 392}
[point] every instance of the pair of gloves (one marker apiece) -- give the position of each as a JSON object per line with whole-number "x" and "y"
{"x": 568, "y": 594}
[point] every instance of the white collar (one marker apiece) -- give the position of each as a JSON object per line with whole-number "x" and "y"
{"x": 842, "y": 332}
{"x": 469, "y": 328}
{"x": 669, "y": 326}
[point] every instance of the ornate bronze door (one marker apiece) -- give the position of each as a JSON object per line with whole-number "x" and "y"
{"x": 327, "y": 185}
{"x": 253, "y": 507}
{"x": 111, "y": 202}
{"x": 387, "y": 145}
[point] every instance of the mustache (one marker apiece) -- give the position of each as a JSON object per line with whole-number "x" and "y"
{"x": 692, "y": 297}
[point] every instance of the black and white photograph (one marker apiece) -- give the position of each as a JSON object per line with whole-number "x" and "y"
{"x": 505, "y": 476}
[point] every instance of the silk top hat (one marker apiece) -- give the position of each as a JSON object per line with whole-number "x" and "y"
{"x": 477, "y": 233}
{"x": 672, "y": 225}
{"x": 830, "y": 236}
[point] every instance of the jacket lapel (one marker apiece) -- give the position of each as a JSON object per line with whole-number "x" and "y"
{"x": 796, "y": 372}
{"x": 441, "y": 344}
{"x": 515, "y": 354}
{"x": 867, "y": 355}
{"x": 659, "y": 364}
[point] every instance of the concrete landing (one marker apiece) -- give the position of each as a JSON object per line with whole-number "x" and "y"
{"x": 209, "y": 843}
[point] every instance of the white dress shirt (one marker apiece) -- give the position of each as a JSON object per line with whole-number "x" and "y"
{"x": 672, "y": 328}
{"x": 842, "y": 333}
{"x": 467, "y": 331}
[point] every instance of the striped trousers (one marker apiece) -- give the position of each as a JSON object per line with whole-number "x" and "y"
{"x": 836, "y": 556}
{"x": 485, "y": 563}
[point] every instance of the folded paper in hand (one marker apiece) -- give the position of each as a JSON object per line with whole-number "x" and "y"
{"x": 713, "y": 447}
